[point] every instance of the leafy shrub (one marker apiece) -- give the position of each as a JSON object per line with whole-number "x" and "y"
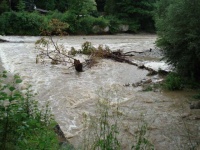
{"x": 21, "y": 23}
{"x": 24, "y": 23}
{"x": 71, "y": 19}
{"x": 173, "y": 82}
{"x": 113, "y": 24}
{"x": 178, "y": 30}
{"x": 86, "y": 24}
{"x": 82, "y": 24}
{"x": 22, "y": 124}
{"x": 136, "y": 14}
{"x": 134, "y": 26}
{"x": 87, "y": 48}
{"x": 101, "y": 22}
{"x": 4, "y": 24}
{"x": 4, "y": 6}
{"x": 55, "y": 27}
{"x": 54, "y": 15}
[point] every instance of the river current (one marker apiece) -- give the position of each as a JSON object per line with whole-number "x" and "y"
{"x": 71, "y": 95}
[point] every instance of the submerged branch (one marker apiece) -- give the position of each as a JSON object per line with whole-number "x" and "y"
{"x": 2, "y": 40}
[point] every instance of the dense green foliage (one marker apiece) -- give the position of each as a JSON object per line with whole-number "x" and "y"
{"x": 60, "y": 5}
{"x": 4, "y": 6}
{"x": 138, "y": 13}
{"x": 25, "y": 23}
{"x": 82, "y": 16}
{"x": 173, "y": 82}
{"x": 22, "y": 124}
{"x": 21, "y": 23}
{"x": 178, "y": 29}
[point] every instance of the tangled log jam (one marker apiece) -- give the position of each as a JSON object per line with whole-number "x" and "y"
{"x": 48, "y": 50}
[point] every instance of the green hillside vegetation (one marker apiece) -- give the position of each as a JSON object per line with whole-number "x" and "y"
{"x": 31, "y": 17}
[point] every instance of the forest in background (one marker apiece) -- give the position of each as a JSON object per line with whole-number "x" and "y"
{"x": 37, "y": 17}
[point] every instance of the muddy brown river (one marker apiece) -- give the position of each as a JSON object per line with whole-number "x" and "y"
{"x": 171, "y": 124}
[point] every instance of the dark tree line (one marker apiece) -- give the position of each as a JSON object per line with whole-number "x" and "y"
{"x": 140, "y": 11}
{"x": 137, "y": 13}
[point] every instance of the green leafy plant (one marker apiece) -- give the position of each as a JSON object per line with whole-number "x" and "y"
{"x": 55, "y": 27}
{"x": 21, "y": 23}
{"x": 178, "y": 33}
{"x": 86, "y": 24}
{"x": 22, "y": 124}
{"x": 4, "y": 6}
{"x": 21, "y": 5}
{"x": 114, "y": 23}
{"x": 173, "y": 82}
{"x": 87, "y": 48}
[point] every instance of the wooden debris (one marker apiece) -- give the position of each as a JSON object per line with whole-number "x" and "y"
{"x": 2, "y": 40}
{"x": 61, "y": 56}
{"x": 78, "y": 65}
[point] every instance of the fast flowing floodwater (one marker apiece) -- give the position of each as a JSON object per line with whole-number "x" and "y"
{"x": 171, "y": 124}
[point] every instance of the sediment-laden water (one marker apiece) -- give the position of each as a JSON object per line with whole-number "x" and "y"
{"x": 71, "y": 94}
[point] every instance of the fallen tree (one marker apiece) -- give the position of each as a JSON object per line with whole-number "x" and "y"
{"x": 57, "y": 54}
{"x": 2, "y": 40}
{"x": 50, "y": 51}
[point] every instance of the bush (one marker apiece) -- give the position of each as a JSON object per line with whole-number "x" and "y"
{"x": 71, "y": 19}
{"x": 54, "y": 15}
{"x": 21, "y": 23}
{"x": 173, "y": 82}
{"x": 22, "y": 124}
{"x": 101, "y": 22}
{"x": 24, "y": 23}
{"x": 86, "y": 24}
{"x": 114, "y": 23}
{"x": 82, "y": 24}
{"x": 55, "y": 27}
{"x": 133, "y": 26}
{"x": 178, "y": 31}
{"x": 4, "y": 6}
{"x": 4, "y": 24}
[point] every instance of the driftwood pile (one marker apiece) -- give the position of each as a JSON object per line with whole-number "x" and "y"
{"x": 59, "y": 55}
